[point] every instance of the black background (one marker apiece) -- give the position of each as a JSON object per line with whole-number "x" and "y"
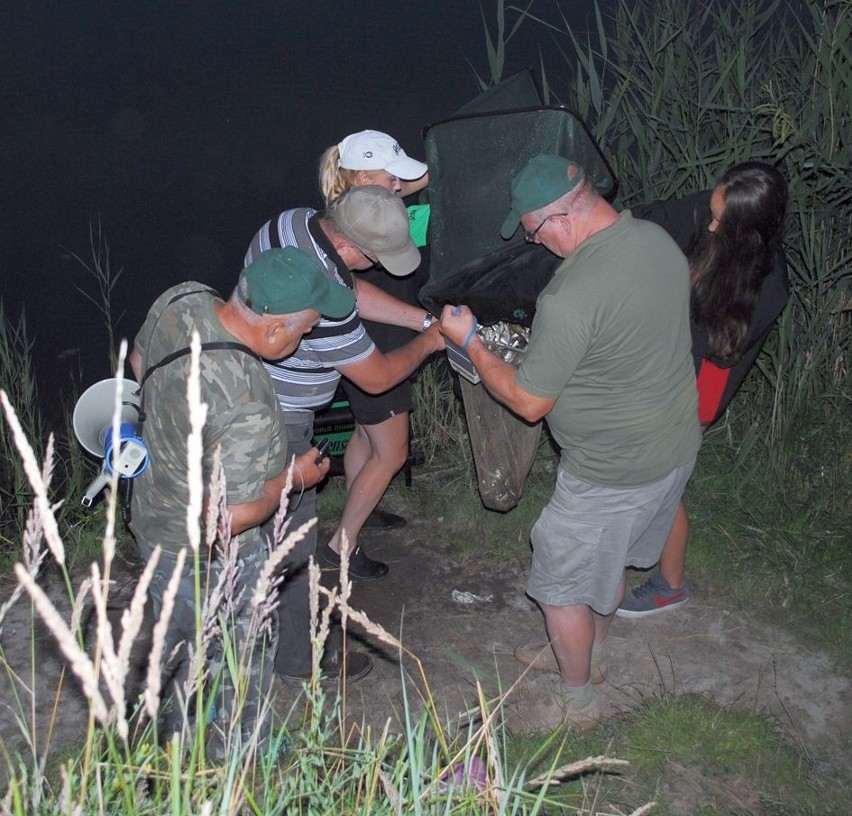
{"x": 182, "y": 127}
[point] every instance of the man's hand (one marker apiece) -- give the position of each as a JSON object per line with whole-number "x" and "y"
{"x": 434, "y": 336}
{"x": 499, "y": 377}
{"x": 457, "y": 323}
{"x": 311, "y": 472}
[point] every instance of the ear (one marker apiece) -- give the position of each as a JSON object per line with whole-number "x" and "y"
{"x": 348, "y": 253}
{"x": 362, "y": 178}
{"x": 272, "y": 332}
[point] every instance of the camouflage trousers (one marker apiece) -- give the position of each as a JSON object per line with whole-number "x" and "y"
{"x": 239, "y": 649}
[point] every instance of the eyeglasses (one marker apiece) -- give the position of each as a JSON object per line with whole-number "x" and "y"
{"x": 529, "y": 235}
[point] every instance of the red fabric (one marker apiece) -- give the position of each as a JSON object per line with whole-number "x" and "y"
{"x": 711, "y": 387}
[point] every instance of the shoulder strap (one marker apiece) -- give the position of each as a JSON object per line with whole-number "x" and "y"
{"x": 175, "y": 355}
{"x": 219, "y": 346}
{"x": 170, "y": 358}
{"x": 204, "y": 346}
{"x": 205, "y": 291}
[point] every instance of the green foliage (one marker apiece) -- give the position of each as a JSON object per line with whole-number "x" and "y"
{"x": 438, "y": 420}
{"x": 689, "y": 755}
{"x": 495, "y": 47}
{"x": 675, "y": 92}
{"x": 98, "y": 269}
{"x": 17, "y": 380}
{"x": 69, "y": 468}
{"x": 689, "y": 739}
{"x": 786, "y": 559}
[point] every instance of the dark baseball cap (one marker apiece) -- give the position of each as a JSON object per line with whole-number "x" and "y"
{"x": 287, "y": 280}
{"x": 543, "y": 180}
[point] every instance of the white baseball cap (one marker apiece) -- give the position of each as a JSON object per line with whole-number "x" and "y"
{"x": 373, "y": 150}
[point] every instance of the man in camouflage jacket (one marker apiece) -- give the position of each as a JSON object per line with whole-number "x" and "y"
{"x": 278, "y": 298}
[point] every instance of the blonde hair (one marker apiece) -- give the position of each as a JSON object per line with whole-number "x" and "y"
{"x": 335, "y": 180}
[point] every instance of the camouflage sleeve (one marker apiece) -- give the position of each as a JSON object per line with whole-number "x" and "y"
{"x": 253, "y": 448}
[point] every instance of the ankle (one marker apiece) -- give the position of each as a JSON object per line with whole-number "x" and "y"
{"x": 578, "y": 695}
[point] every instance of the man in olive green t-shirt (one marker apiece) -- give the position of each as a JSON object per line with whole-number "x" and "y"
{"x": 609, "y": 366}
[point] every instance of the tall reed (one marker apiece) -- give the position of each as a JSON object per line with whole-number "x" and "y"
{"x": 17, "y": 378}
{"x": 105, "y": 279}
{"x": 675, "y": 91}
{"x": 311, "y": 763}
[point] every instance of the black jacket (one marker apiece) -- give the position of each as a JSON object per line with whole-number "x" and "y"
{"x": 686, "y": 220}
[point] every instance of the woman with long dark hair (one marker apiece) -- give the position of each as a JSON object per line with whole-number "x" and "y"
{"x": 732, "y": 238}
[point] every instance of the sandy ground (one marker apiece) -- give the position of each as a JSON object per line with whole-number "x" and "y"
{"x": 464, "y": 621}
{"x": 462, "y": 617}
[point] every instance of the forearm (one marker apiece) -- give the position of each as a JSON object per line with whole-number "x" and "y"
{"x": 306, "y": 473}
{"x": 377, "y": 305}
{"x": 413, "y": 185}
{"x": 383, "y": 371}
{"x": 501, "y": 380}
{"x": 251, "y": 514}
{"x": 404, "y": 361}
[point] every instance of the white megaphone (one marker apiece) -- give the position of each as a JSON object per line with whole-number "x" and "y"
{"x": 92, "y": 423}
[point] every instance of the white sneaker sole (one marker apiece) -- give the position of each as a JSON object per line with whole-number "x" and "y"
{"x": 644, "y": 613}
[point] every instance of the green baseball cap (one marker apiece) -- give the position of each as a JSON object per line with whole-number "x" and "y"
{"x": 287, "y": 280}
{"x": 541, "y": 182}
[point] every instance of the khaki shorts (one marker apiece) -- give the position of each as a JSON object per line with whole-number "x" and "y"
{"x": 587, "y": 534}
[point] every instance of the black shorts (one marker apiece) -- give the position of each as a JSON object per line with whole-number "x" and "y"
{"x": 371, "y": 409}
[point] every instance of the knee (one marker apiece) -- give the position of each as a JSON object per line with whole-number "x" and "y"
{"x": 393, "y": 458}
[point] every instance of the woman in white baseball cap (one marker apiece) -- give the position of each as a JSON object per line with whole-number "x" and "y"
{"x": 379, "y": 445}
{"x": 370, "y": 157}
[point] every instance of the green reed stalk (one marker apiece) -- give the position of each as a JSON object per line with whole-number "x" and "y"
{"x": 17, "y": 378}
{"x": 100, "y": 271}
{"x": 677, "y": 91}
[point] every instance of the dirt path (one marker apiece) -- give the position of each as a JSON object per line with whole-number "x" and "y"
{"x": 462, "y": 617}
{"x": 465, "y": 619}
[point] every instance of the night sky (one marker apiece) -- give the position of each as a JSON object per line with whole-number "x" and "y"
{"x": 185, "y": 126}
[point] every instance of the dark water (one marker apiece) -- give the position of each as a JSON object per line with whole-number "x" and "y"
{"x": 181, "y": 127}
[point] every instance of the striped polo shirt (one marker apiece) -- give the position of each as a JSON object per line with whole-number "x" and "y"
{"x": 308, "y": 378}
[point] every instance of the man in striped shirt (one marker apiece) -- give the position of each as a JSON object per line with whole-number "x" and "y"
{"x": 366, "y": 227}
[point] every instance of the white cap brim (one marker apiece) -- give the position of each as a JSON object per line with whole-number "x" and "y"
{"x": 406, "y": 168}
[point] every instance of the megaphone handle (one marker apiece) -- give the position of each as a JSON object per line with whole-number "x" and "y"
{"x": 125, "y": 498}
{"x": 95, "y": 486}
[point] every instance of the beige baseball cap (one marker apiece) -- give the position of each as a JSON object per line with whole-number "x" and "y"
{"x": 376, "y": 220}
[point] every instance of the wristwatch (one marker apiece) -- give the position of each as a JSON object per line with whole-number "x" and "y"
{"x": 428, "y": 321}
